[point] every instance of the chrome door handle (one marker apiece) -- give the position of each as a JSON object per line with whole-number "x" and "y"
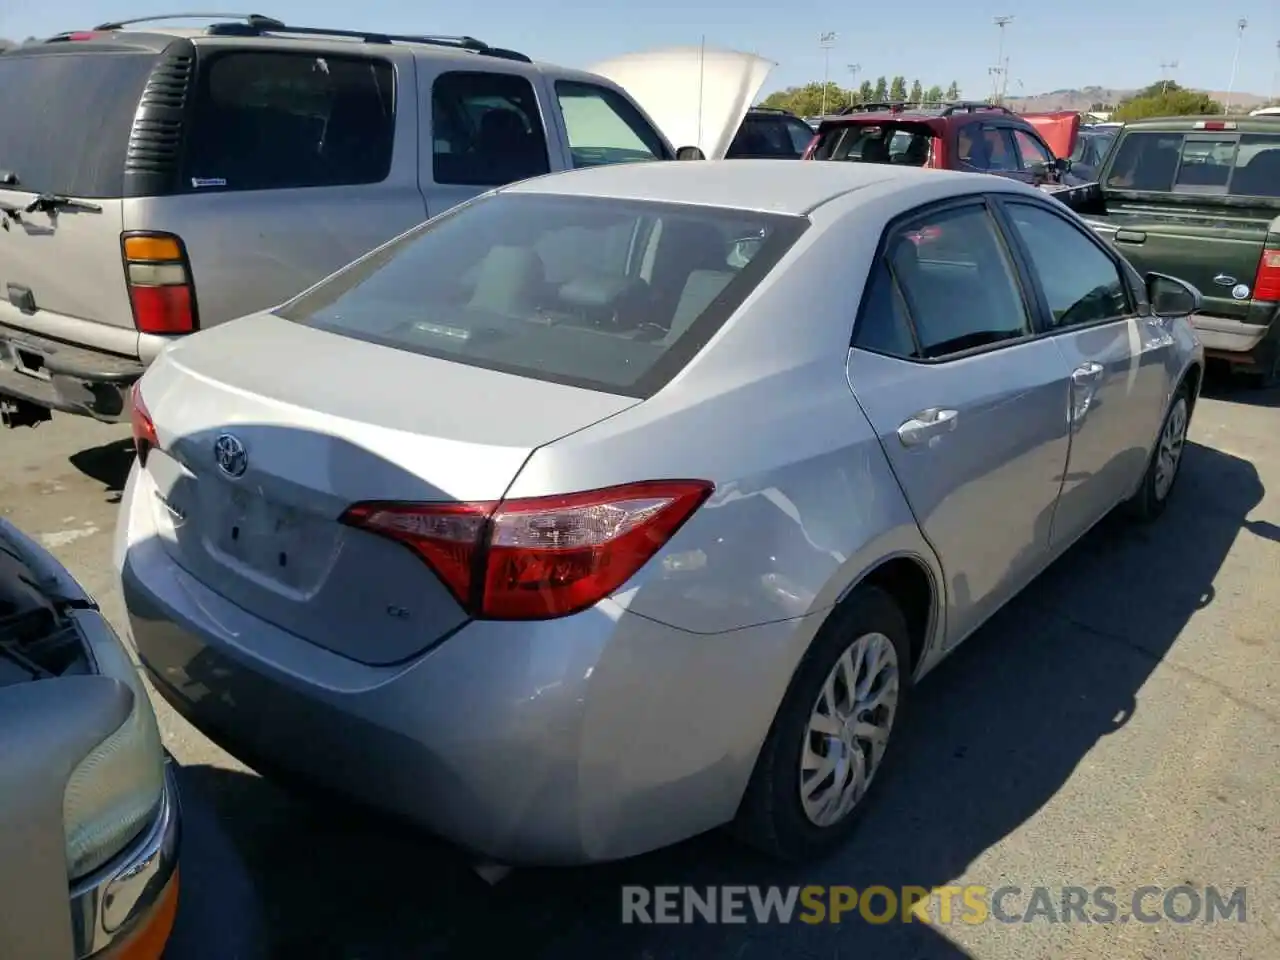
{"x": 1086, "y": 373}
{"x": 926, "y": 425}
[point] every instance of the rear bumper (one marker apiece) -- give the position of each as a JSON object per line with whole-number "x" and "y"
{"x": 1252, "y": 345}
{"x": 589, "y": 738}
{"x": 127, "y": 908}
{"x": 65, "y": 378}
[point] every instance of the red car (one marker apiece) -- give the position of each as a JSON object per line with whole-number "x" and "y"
{"x": 976, "y": 137}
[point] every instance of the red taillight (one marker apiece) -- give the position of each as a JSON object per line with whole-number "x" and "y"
{"x": 541, "y": 557}
{"x": 1266, "y": 284}
{"x": 144, "y": 428}
{"x": 159, "y": 280}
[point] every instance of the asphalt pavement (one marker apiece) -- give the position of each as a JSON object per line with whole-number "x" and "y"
{"x": 1118, "y": 724}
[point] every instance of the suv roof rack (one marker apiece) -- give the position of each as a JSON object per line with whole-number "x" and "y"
{"x": 256, "y": 25}
{"x": 944, "y": 107}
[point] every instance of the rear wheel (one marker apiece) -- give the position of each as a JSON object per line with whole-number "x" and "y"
{"x": 824, "y": 755}
{"x": 1166, "y": 460}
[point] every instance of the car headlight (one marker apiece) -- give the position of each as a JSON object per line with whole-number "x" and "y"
{"x": 113, "y": 793}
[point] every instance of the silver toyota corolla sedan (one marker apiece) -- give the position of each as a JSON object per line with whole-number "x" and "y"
{"x": 618, "y": 505}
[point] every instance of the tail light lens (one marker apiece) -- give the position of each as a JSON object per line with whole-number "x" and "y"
{"x": 144, "y": 428}
{"x": 160, "y": 287}
{"x": 1266, "y": 285}
{"x": 542, "y": 557}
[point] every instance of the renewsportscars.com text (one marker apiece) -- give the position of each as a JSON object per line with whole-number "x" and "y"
{"x": 940, "y": 905}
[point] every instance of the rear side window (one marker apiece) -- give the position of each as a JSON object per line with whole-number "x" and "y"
{"x": 1145, "y": 161}
{"x": 604, "y": 127}
{"x": 1257, "y": 166}
{"x": 955, "y": 256}
{"x": 764, "y": 137}
{"x": 486, "y": 129}
{"x": 66, "y": 118}
{"x": 1205, "y": 163}
{"x": 600, "y": 293}
{"x": 274, "y": 121}
{"x": 898, "y": 143}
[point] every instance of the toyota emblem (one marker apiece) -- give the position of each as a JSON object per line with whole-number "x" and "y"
{"x": 230, "y": 455}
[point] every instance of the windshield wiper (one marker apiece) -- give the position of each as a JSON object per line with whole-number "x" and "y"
{"x": 53, "y": 202}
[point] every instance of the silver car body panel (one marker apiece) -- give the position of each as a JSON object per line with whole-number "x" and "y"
{"x": 636, "y": 722}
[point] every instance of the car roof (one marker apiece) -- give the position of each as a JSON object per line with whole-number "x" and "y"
{"x": 775, "y": 186}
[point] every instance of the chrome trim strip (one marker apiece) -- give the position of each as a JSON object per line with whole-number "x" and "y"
{"x": 105, "y": 903}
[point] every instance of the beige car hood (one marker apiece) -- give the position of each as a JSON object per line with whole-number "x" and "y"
{"x": 696, "y": 95}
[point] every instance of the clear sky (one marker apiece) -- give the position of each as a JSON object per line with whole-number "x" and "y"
{"x": 1111, "y": 43}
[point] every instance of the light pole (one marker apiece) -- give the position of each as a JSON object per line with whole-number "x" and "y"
{"x": 994, "y": 73}
{"x": 826, "y": 41}
{"x": 1235, "y": 62}
{"x": 1275, "y": 77}
{"x": 1165, "y": 70}
{"x": 854, "y": 69}
{"x": 1001, "y": 67}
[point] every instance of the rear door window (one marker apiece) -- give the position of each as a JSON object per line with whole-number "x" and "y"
{"x": 486, "y": 129}
{"x": 606, "y": 294}
{"x": 273, "y": 121}
{"x": 66, "y": 119}
{"x": 605, "y": 127}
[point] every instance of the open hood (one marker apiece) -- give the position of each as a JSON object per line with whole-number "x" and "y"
{"x": 696, "y": 95}
{"x": 1059, "y": 129}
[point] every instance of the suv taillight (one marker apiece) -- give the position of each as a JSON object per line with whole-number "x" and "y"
{"x": 144, "y": 428}
{"x": 542, "y": 557}
{"x": 159, "y": 279}
{"x": 1266, "y": 284}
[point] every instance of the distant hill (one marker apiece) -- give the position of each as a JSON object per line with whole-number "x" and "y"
{"x": 1085, "y": 97}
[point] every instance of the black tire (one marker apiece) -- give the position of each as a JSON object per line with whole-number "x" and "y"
{"x": 771, "y": 817}
{"x": 1147, "y": 504}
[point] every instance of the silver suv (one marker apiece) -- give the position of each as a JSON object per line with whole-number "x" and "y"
{"x": 155, "y": 181}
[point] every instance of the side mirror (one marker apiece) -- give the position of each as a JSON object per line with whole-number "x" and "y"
{"x": 1063, "y": 164}
{"x": 1041, "y": 170}
{"x": 1171, "y": 297}
{"x": 690, "y": 153}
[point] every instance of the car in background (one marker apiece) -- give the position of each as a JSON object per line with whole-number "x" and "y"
{"x": 968, "y": 136}
{"x": 1199, "y": 197}
{"x": 156, "y": 180}
{"x": 770, "y": 134}
{"x": 1091, "y": 149}
{"x": 651, "y": 550}
{"x": 89, "y": 818}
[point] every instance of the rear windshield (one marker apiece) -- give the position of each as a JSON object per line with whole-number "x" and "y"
{"x": 904, "y": 143}
{"x": 66, "y": 117}
{"x": 1219, "y": 163}
{"x": 606, "y": 294}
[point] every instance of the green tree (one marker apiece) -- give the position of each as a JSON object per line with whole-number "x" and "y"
{"x": 1165, "y": 100}
{"x": 953, "y": 91}
{"x": 881, "y": 91}
{"x": 917, "y": 92}
{"x": 933, "y": 94}
{"x": 898, "y": 88}
{"x": 866, "y": 92}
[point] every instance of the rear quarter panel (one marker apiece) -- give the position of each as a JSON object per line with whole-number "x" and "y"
{"x": 253, "y": 249}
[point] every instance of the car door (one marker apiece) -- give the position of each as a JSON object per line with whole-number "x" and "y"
{"x": 1120, "y": 374}
{"x": 967, "y": 402}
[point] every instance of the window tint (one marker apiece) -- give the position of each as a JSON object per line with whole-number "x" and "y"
{"x": 486, "y": 129}
{"x": 1205, "y": 163}
{"x": 607, "y": 294}
{"x": 1030, "y": 149}
{"x": 877, "y": 143}
{"x": 267, "y": 121}
{"x": 605, "y": 127}
{"x": 1145, "y": 161}
{"x": 1080, "y": 282}
{"x": 883, "y": 326}
{"x": 763, "y": 137}
{"x": 801, "y": 135}
{"x": 66, "y": 120}
{"x": 956, "y": 281}
{"x": 1257, "y": 166}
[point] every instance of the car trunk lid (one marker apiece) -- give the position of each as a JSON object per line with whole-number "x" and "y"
{"x": 268, "y": 430}
{"x": 1059, "y": 128}
{"x": 63, "y": 145}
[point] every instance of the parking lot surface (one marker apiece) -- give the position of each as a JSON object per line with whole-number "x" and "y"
{"x": 1118, "y": 724}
